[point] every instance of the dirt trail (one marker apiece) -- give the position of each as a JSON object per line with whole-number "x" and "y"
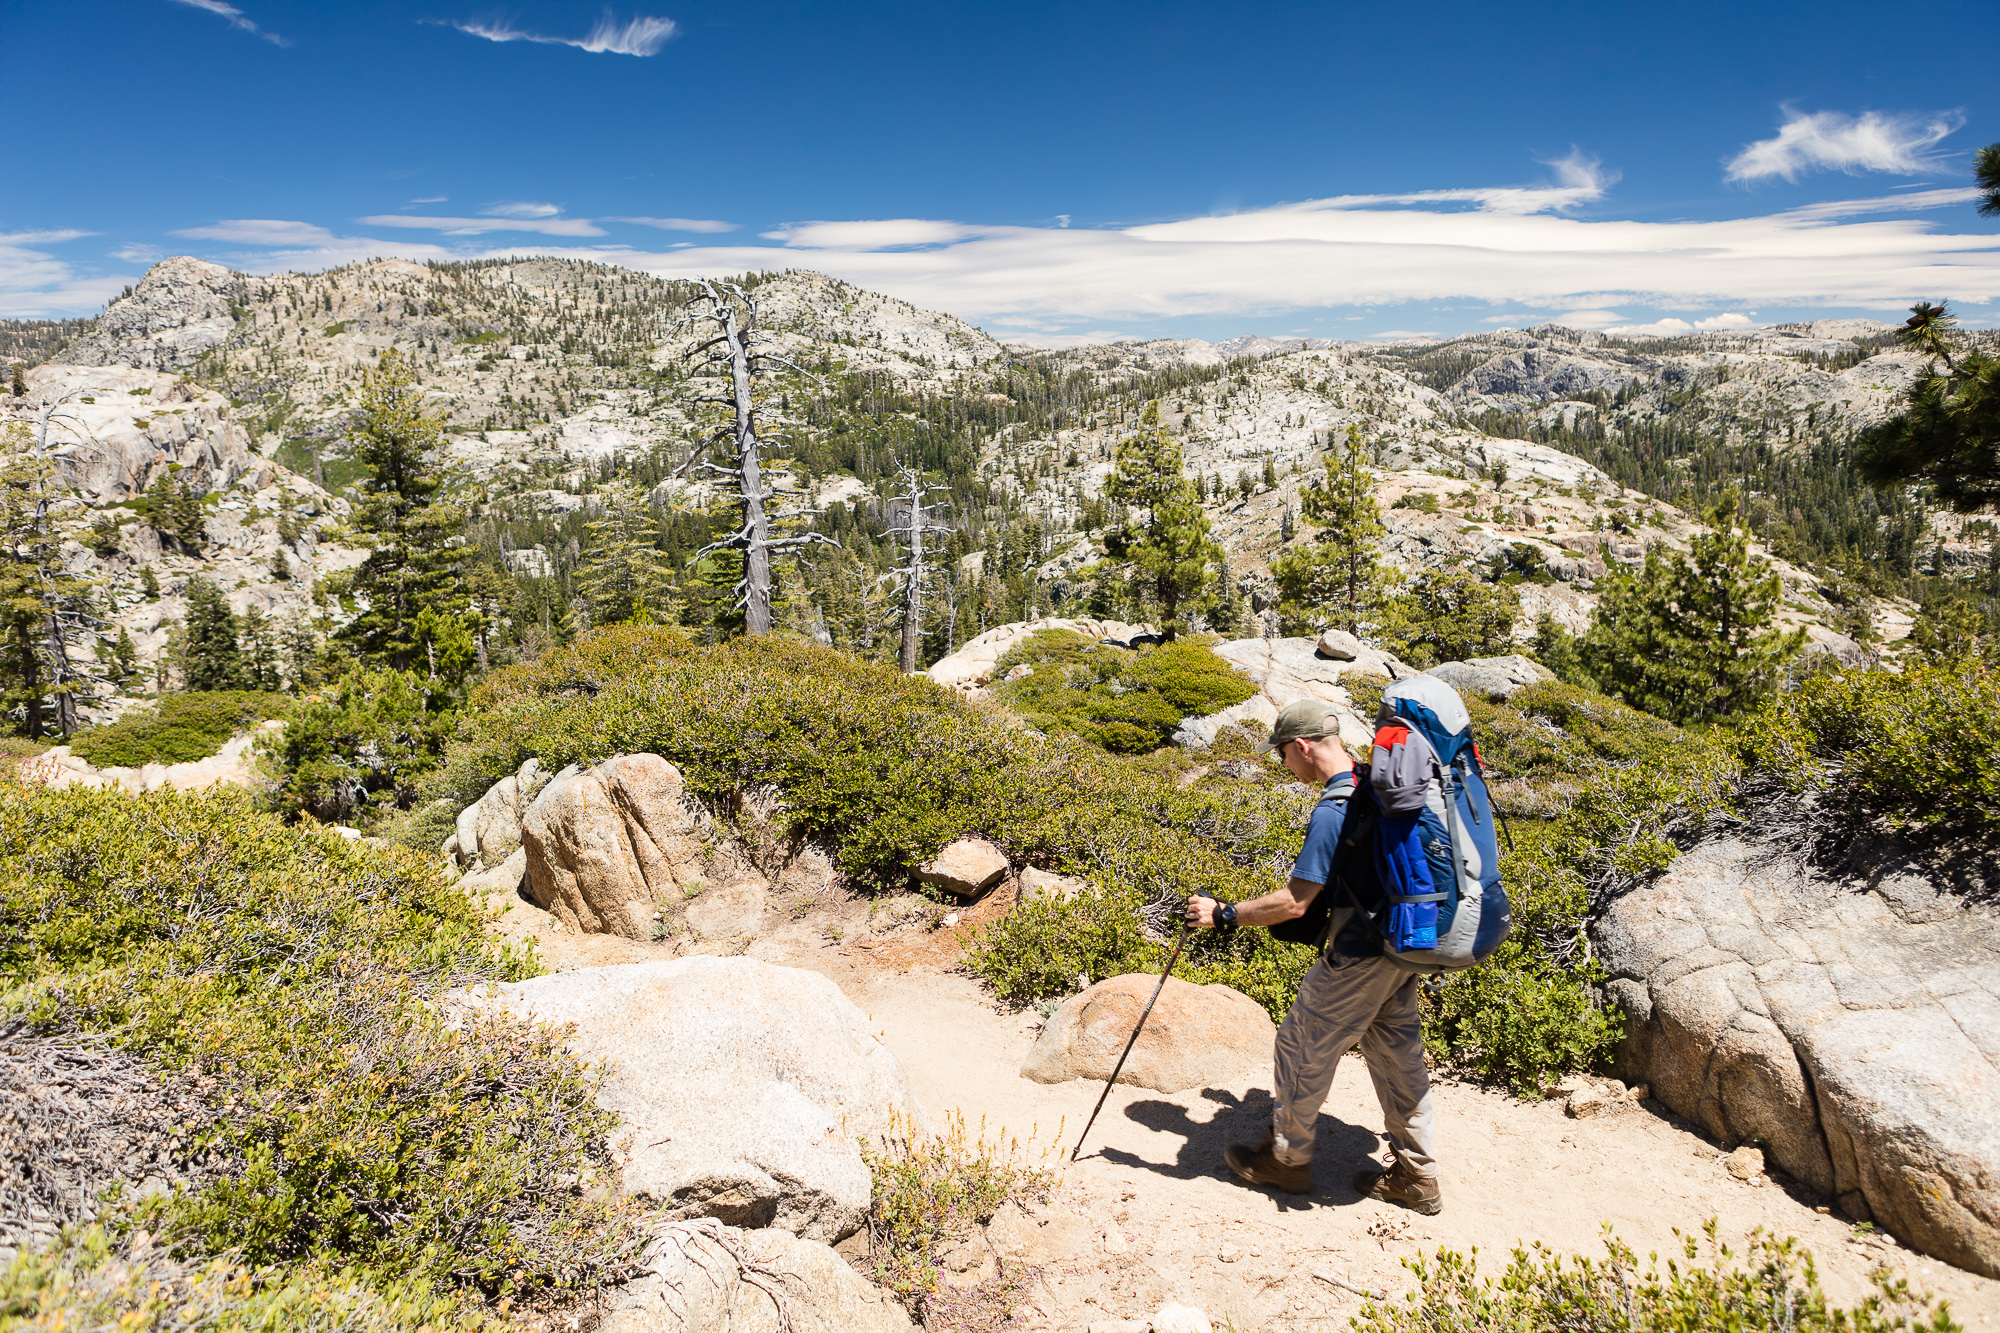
{"x": 1155, "y": 1216}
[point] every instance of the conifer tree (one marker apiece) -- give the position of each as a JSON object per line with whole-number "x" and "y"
{"x": 737, "y": 356}
{"x": 915, "y": 572}
{"x": 1337, "y": 580}
{"x": 1693, "y": 638}
{"x": 625, "y": 576}
{"x": 413, "y": 566}
{"x": 124, "y": 657}
{"x": 1948, "y": 434}
{"x": 149, "y": 583}
{"x": 1170, "y": 546}
{"x": 212, "y": 659}
{"x": 1449, "y": 615}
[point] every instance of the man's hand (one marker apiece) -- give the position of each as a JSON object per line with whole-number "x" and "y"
{"x": 1201, "y": 911}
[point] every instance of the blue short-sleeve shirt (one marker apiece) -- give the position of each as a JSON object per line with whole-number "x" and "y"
{"x": 1315, "y": 863}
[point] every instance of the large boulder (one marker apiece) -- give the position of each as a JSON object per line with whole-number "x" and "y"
{"x": 1848, "y": 1021}
{"x": 609, "y": 846}
{"x": 489, "y": 830}
{"x": 1196, "y": 1035}
{"x": 704, "y": 1278}
{"x": 972, "y": 665}
{"x": 1496, "y": 678}
{"x": 743, "y": 1087}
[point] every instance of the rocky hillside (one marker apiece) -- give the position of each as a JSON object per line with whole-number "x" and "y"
{"x": 559, "y": 377}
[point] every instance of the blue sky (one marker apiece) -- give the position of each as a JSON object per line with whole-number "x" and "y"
{"x": 1056, "y": 172}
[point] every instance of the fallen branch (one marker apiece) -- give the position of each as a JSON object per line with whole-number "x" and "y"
{"x": 1333, "y": 1280}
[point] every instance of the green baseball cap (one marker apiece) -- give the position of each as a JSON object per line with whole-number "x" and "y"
{"x": 1301, "y": 720}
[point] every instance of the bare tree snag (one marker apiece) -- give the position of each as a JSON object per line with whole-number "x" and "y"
{"x": 738, "y": 355}
{"x": 917, "y": 524}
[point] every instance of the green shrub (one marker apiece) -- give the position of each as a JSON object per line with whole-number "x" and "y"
{"x": 1773, "y": 1288}
{"x": 293, "y": 976}
{"x": 90, "y": 1281}
{"x": 1918, "y": 749}
{"x": 1126, "y": 701}
{"x": 178, "y": 729}
{"x": 928, "y": 1192}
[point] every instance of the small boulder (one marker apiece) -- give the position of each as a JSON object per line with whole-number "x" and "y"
{"x": 1040, "y": 886}
{"x": 1587, "y": 1101}
{"x": 1196, "y": 1035}
{"x": 967, "y": 867}
{"x": 1746, "y": 1163}
{"x": 1340, "y": 645}
{"x": 1172, "y": 1318}
{"x": 695, "y": 1281}
{"x": 743, "y": 1087}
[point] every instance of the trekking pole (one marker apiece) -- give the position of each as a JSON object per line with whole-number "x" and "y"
{"x": 1137, "y": 1028}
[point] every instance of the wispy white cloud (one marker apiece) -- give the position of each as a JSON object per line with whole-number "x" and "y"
{"x": 520, "y": 211}
{"x": 36, "y": 284}
{"x": 480, "y": 226}
{"x": 679, "y": 224}
{"x": 640, "y": 36}
{"x": 1835, "y": 141}
{"x": 259, "y": 231}
{"x": 139, "y": 254}
{"x": 432, "y": 199}
{"x": 235, "y": 18}
{"x": 1610, "y": 321}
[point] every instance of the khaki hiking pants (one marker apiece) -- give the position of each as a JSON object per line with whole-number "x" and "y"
{"x": 1374, "y": 1002}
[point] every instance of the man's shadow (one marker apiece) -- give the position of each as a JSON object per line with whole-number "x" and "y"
{"x": 1338, "y": 1147}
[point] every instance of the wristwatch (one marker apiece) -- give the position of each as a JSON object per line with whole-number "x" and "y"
{"x": 1225, "y": 915}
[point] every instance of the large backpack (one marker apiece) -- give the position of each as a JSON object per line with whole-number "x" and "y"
{"x": 1454, "y": 835}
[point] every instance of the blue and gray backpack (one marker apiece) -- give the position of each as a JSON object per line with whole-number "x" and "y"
{"x": 1434, "y": 853}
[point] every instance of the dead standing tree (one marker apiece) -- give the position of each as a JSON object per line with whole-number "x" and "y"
{"x": 35, "y": 571}
{"x": 915, "y": 567}
{"x": 738, "y": 354}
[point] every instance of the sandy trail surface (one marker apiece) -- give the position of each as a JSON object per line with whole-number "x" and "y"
{"x": 1150, "y": 1215}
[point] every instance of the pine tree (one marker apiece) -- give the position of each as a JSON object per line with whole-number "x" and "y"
{"x": 1948, "y": 434}
{"x": 1337, "y": 580}
{"x": 190, "y": 523}
{"x": 149, "y": 583}
{"x": 124, "y": 657}
{"x": 1171, "y": 548}
{"x": 212, "y": 659}
{"x": 302, "y": 653}
{"x": 413, "y": 566}
{"x": 257, "y": 638}
{"x": 625, "y": 576}
{"x": 1449, "y": 615}
{"x": 1692, "y": 638}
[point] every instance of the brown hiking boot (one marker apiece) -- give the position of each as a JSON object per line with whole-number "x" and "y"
{"x": 1400, "y": 1185}
{"x": 1255, "y": 1164}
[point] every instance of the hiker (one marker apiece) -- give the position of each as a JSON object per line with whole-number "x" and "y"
{"x": 1353, "y": 993}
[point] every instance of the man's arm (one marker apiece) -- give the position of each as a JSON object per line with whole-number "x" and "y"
{"x": 1286, "y": 904}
